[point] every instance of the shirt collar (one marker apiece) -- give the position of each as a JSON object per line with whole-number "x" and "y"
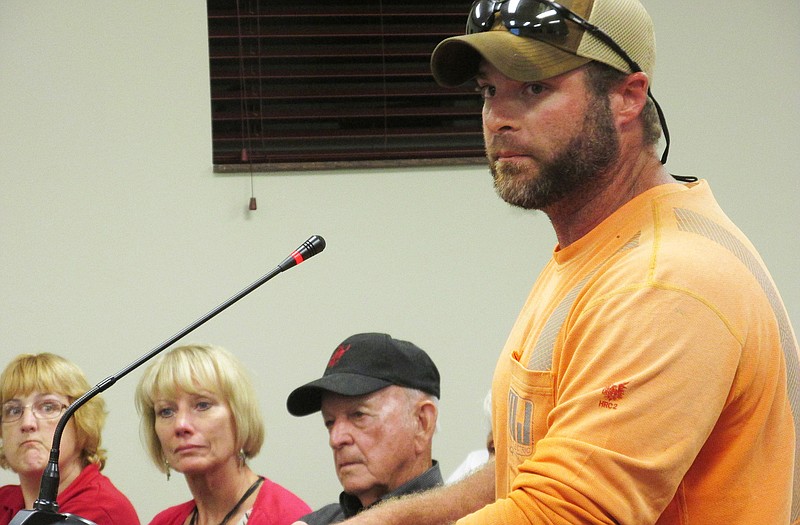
{"x": 432, "y": 477}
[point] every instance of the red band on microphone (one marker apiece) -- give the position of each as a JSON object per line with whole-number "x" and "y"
{"x": 297, "y": 257}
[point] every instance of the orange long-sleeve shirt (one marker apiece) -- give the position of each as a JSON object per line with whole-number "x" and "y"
{"x": 648, "y": 378}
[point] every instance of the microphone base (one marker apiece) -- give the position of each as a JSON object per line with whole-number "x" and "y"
{"x": 41, "y": 517}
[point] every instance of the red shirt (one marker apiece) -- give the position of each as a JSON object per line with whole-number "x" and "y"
{"x": 91, "y": 496}
{"x": 274, "y": 505}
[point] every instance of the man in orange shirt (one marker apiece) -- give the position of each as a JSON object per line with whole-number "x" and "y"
{"x": 652, "y": 375}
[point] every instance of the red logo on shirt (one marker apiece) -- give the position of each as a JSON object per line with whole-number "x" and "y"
{"x": 612, "y": 394}
{"x": 337, "y": 354}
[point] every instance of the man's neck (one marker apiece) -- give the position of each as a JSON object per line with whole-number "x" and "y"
{"x": 576, "y": 215}
{"x": 356, "y": 503}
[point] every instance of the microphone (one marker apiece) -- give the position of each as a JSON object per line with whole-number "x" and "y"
{"x": 308, "y": 249}
{"x": 45, "y": 508}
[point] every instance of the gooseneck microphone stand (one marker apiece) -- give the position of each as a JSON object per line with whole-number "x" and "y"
{"x": 45, "y": 508}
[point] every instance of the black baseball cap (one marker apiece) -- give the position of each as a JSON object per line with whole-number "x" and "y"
{"x": 365, "y": 363}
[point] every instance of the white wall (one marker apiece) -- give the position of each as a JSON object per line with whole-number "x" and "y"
{"x": 115, "y": 233}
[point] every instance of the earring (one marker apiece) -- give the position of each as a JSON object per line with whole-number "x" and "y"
{"x": 242, "y": 458}
{"x": 168, "y": 469}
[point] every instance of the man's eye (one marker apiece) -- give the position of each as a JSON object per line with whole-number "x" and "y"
{"x": 535, "y": 89}
{"x": 486, "y": 91}
{"x": 358, "y": 416}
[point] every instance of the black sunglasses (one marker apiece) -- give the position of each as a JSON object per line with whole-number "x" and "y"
{"x": 535, "y": 18}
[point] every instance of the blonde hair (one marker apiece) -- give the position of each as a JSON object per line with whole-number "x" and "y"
{"x": 192, "y": 368}
{"x": 53, "y": 374}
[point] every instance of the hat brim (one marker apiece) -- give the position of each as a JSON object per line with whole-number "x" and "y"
{"x": 307, "y": 399}
{"x": 457, "y": 59}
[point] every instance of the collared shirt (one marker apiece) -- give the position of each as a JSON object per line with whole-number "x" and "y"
{"x": 349, "y": 505}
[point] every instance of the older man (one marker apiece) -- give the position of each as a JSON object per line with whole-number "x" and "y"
{"x": 378, "y": 397}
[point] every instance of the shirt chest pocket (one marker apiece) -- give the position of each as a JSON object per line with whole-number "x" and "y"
{"x": 530, "y": 400}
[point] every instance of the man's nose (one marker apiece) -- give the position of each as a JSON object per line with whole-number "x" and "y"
{"x": 339, "y": 434}
{"x": 501, "y": 114}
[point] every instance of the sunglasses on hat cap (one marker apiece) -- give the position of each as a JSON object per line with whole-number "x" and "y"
{"x": 541, "y": 19}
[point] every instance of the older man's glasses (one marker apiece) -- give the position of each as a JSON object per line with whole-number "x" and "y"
{"x": 41, "y": 409}
{"x": 540, "y": 18}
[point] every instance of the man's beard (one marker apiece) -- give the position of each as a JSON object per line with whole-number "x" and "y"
{"x": 576, "y": 171}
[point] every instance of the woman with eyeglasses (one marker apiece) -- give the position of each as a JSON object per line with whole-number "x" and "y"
{"x": 200, "y": 417}
{"x": 35, "y": 390}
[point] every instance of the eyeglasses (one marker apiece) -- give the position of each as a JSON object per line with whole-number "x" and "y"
{"x": 42, "y": 409}
{"x": 537, "y": 18}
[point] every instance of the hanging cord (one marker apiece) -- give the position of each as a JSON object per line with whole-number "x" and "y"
{"x": 247, "y": 150}
{"x": 383, "y": 77}
{"x": 663, "y": 121}
{"x": 261, "y": 131}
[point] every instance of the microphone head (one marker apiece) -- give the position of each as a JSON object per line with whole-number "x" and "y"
{"x": 315, "y": 245}
{"x": 309, "y": 248}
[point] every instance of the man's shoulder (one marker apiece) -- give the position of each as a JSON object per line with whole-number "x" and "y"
{"x": 331, "y": 513}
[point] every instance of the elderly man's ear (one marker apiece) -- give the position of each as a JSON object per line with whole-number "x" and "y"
{"x": 426, "y": 415}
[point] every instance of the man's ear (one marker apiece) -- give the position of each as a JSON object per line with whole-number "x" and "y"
{"x": 631, "y": 97}
{"x": 426, "y": 415}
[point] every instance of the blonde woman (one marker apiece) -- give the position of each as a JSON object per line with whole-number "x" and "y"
{"x": 200, "y": 417}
